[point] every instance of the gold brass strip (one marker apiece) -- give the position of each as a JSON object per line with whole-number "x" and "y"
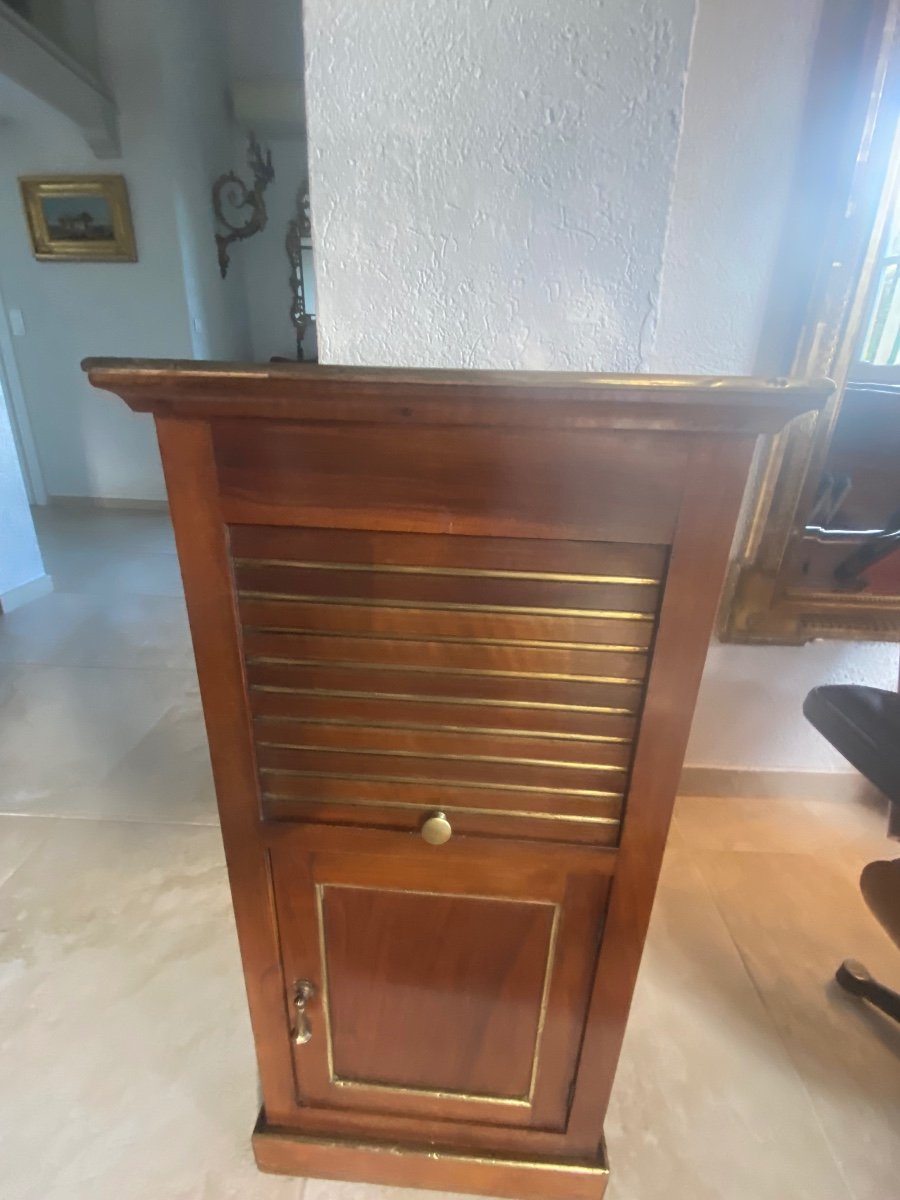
{"x": 462, "y": 895}
{"x": 404, "y": 1090}
{"x": 323, "y": 957}
{"x": 596, "y": 1170}
{"x": 400, "y": 1090}
{"x": 476, "y": 731}
{"x": 348, "y": 665}
{"x": 455, "y": 808}
{"x": 353, "y": 777}
{"x": 545, "y": 1000}
{"x": 341, "y": 693}
{"x": 451, "y": 572}
{"x": 448, "y": 808}
{"x": 512, "y": 643}
{"x": 613, "y": 614}
{"x": 474, "y": 758}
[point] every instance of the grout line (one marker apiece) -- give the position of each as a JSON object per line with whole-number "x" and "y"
{"x": 18, "y": 867}
{"x": 95, "y": 666}
{"x": 110, "y": 820}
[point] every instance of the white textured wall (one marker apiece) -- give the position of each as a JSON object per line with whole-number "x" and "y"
{"x": 491, "y": 182}
{"x": 491, "y": 185}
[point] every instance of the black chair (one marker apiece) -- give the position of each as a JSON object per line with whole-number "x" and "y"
{"x": 863, "y": 723}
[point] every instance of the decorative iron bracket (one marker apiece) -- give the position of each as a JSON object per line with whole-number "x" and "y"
{"x": 230, "y": 189}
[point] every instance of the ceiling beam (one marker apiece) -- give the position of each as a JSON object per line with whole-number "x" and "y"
{"x": 37, "y": 64}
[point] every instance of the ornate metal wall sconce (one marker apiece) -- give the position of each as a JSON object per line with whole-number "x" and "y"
{"x": 230, "y": 189}
{"x": 299, "y": 238}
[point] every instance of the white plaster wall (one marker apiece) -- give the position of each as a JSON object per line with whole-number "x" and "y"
{"x": 170, "y": 90}
{"x": 264, "y": 259}
{"x": 491, "y": 182}
{"x": 746, "y": 88}
{"x": 88, "y": 444}
{"x": 72, "y": 24}
{"x": 198, "y": 130}
{"x": 743, "y": 105}
{"x": 265, "y": 38}
{"x": 266, "y": 50}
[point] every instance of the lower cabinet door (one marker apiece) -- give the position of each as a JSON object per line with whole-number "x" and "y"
{"x": 442, "y": 981}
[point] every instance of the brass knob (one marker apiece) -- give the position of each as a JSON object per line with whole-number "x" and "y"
{"x": 436, "y": 829}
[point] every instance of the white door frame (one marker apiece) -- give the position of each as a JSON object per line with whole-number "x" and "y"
{"x": 23, "y": 435}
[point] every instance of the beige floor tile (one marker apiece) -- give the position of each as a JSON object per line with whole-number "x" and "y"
{"x": 674, "y": 838}
{"x": 330, "y": 1189}
{"x": 707, "y": 1104}
{"x": 109, "y": 552}
{"x": 97, "y": 572}
{"x": 68, "y": 727}
{"x": 794, "y": 918}
{"x": 165, "y": 777}
{"x": 20, "y": 838}
{"x": 121, "y": 531}
{"x": 8, "y": 678}
{"x": 42, "y": 631}
{"x": 127, "y": 1065}
{"x": 77, "y": 629}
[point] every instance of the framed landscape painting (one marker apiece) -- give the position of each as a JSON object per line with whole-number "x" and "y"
{"x": 79, "y": 218}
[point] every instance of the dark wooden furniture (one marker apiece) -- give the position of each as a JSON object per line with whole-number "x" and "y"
{"x": 863, "y": 723}
{"x": 449, "y": 628}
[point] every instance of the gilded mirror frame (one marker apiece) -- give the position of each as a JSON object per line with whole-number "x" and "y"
{"x": 846, "y": 167}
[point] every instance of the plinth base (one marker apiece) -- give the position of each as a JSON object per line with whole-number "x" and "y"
{"x": 281, "y": 1152}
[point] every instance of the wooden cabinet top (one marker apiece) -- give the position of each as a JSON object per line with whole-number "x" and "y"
{"x": 300, "y": 392}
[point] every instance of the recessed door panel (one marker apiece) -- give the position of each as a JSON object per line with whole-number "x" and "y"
{"x": 460, "y": 992}
{"x": 438, "y": 979}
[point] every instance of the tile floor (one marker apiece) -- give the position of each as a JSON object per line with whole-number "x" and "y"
{"x": 126, "y": 1065}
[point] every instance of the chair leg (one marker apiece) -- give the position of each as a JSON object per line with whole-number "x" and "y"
{"x": 855, "y": 979}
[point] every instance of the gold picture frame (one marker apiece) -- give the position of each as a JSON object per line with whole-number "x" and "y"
{"x": 79, "y": 218}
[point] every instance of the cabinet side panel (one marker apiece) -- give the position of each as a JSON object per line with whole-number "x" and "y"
{"x": 714, "y": 487}
{"x": 201, "y": 540}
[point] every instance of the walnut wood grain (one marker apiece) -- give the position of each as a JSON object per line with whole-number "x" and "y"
{"x": 474, "y": 715}
{"x": 413, "y": 947}
{"x": 498, "y": 555}
{"x": 449, "y": 481}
